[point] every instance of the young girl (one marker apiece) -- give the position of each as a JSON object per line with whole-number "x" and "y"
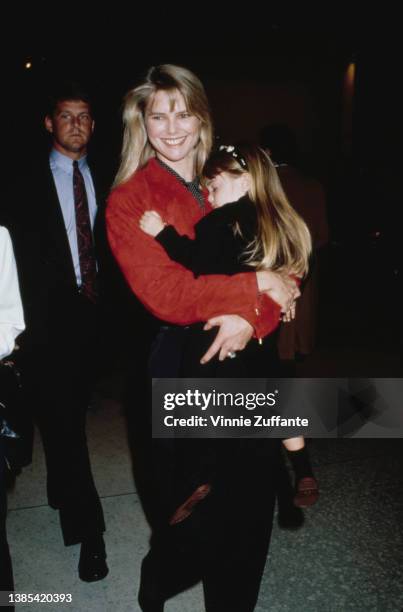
{"x": 252, "y": 226}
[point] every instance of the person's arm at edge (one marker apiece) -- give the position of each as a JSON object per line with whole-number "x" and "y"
{"x": 11, "y": 312}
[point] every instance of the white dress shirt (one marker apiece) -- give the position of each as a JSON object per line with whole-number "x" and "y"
{"x": 62, "y": 170}
{"x": 11, "y": 313}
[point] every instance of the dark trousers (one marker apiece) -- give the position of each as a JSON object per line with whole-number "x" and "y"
{"x": 226, "y": 539}
{"x": 176, "y": 352}
{"x": 6, "y": 571}
{"x": 254, "y": 361}
{"x": 70, "y": 484}
{"x": 57, "y": 380}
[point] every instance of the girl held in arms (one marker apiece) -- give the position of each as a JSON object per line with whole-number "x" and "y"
{"x": 252, "y": 226}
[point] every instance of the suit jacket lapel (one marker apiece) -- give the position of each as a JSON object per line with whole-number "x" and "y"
{"x": 58, "y": 245}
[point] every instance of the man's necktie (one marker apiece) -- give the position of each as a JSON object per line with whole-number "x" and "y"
{"x": 84, "y": 237}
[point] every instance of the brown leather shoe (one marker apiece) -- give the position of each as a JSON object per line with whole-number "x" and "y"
{"x": 187, "y": 508}
{"x": 307, "y": 492}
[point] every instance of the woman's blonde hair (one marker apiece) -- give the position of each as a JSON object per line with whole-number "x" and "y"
{"x": 283, "y": 241}
{"x": 136, "y": 150}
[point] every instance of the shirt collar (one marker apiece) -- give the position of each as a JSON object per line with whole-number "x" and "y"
{"x": 66, "y": 163}
{"x": 195, "y": 182}
{"x": 192, "y": 186}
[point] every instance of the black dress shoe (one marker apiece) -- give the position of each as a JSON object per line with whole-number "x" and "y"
{"x": 92, "y": 565}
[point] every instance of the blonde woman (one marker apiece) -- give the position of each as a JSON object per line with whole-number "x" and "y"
{"x": 253, "y": 225}
{"x": 167, "y": 139}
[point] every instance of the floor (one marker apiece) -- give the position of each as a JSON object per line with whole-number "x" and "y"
{"x": 347, "y": 556}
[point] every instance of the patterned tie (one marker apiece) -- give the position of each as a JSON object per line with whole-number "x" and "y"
{"x": 84, "y": 237}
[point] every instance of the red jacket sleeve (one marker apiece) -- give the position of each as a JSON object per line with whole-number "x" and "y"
{"x": 169, "y": 291}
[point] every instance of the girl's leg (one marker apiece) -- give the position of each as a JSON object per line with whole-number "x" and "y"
{"x": 294, "y": 444}
{"x": 307, "y": 491}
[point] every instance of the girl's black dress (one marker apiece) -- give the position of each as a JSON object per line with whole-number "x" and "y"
{"x": 221, "y": 239}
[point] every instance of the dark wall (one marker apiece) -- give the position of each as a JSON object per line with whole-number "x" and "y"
{"x": 269, "y": 83}
{"x": 279, "y": 73}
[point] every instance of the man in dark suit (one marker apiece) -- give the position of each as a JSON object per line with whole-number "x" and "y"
{"x": 52, "y": 224}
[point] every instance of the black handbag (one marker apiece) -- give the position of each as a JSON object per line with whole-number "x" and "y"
{"x": 11, "y": 423}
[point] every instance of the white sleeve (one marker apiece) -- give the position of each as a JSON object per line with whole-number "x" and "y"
{"x": 11, "y": 313}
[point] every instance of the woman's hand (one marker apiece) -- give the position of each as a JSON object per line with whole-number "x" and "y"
{"x": 151, "y": 223}
{"x": 290, "y": 314}
{"x": 233, "y": 335}
{"x": 281, "y": 288}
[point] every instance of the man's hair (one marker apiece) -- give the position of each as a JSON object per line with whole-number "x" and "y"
{"x": 67, "y": 90}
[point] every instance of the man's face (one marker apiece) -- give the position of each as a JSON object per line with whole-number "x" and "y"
{"x": 71, "y": 126}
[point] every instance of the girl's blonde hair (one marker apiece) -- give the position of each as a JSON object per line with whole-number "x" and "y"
{"x": 136, "y": 150}
{"x": 283, "y": 241}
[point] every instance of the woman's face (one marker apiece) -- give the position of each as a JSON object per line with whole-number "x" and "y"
{"x": 172, "y": 131}
{"x": 225, "y": 188}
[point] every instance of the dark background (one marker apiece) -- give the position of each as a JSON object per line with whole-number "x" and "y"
{"x": 256, "y": 73}
{"x": 256, "y": 70}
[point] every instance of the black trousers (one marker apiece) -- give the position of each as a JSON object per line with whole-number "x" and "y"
{"x": 226, "y": 539}
{"x": 176, "y": 352}
{"x": 6, "y": 573}
{"x": 70, "y": 484}
{"x": 57, "y": 377}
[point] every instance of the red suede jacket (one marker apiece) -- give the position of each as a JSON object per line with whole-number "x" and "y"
{"x": 167, "y": 289}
